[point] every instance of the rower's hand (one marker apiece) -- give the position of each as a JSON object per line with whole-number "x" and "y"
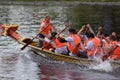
{"x": 100, "y": 28}
{"x": 37, "y": 36}
{"x": 83, "y": 27}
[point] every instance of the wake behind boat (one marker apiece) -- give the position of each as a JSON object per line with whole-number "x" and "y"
{"x": 10, "y": 30}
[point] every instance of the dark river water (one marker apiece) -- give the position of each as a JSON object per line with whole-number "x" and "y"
{"x": 25, "y": 65}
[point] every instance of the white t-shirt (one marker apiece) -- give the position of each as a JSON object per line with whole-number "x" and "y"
{"x": 70, "y": 39}
{"x": 90, "y": 45}
{"x": 47, "y": 40}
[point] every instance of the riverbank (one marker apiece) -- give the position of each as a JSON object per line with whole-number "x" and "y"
{"x": 57, "y": 3}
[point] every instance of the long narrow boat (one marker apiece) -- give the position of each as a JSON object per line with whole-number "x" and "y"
{"x": 10, "y": 30}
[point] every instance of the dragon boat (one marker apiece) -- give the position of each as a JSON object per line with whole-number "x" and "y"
{"x": 10, "y": 30}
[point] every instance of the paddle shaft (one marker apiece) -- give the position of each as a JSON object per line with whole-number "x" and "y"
{"x": 33, "y": 38}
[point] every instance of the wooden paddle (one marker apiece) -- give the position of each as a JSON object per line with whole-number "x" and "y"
{"x": 28, "y": 42}
{"x": 33, "y": 38}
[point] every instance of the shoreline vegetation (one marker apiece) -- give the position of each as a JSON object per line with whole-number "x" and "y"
{"x": 61, "y": 2}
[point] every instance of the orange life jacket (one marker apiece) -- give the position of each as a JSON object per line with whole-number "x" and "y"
{"x": 76, "y": 40}
{"x": 106, "y": 47}
{"x": 58, "y": 44}
{"x": 97, "y": 49}
{"x": 116, "y": 53}
{"x": 95, "y": 41}
{"x": 46, "y": 28}
{"x": 114, "y": 43}
{"x": 89, "y": 53}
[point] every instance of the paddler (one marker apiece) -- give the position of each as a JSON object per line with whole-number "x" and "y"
{"x": 45, "y": 29}
{"x": 109, "y": 47}
{"x": 72, "y": 41}
{"x": 89, "y": 42}
{"x": 56, "y": 45}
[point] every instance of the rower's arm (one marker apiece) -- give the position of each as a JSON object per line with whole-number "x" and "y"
{"x": 81, "y": 30}
{"x": 91, "y": 30}
{"x": 62, "y": 40}
{"x": 82, "y": 46}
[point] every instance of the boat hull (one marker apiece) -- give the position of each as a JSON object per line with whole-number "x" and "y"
{"x": 10, "y": 30}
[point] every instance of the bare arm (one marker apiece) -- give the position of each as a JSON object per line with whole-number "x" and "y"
{"x": 82, "y": 46}
{"x": 91, "y": 30}
{"x": 81, "y": 30}
{"x": 100, "y": 29}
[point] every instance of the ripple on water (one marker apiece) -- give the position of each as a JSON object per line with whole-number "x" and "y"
{"x": 7, "y": 66}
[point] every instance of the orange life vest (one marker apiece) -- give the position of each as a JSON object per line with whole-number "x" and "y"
{"x": 57, "y": 44}
{"x": 95, "y": 50}
{"x": 114, "y": 43}
{"x": 46, "y": 28}
{"x": 89, "y": 53}
{"x": 76, "y": 40}
{"x": 116, "y": 53}
{"x": 106, "y": 47}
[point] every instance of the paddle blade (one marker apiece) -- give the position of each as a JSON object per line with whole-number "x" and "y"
{"x": 24, "y": 46}
{"x": 27, "y": 44}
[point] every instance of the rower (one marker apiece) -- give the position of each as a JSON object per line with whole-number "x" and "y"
{"x": 116, "y": 53}
{"x": 89, "y": 42}
{"x": 72, "y": 41}
{"x": 109, "y": 47}
{"x": 45, "y": 29}
{"x": 56, "y": 45}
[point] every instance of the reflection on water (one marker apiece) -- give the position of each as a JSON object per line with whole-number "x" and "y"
{"x": 57, "y": 70}
{"x": 53, "y": 72}
{"x": 21, "y": 65}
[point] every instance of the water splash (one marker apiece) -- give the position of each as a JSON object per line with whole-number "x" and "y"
{"x": 102, "y": 66}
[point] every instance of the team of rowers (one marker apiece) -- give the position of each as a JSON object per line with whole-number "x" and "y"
{"x": 84, "y": 43}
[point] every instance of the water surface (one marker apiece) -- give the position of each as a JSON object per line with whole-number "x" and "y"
{"x": 25, "y": 65}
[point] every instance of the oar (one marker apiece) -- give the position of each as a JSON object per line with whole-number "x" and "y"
{"x": 66, "y": 26}
{"x": 28, "y": 42}
{"x": 33, "y": 38}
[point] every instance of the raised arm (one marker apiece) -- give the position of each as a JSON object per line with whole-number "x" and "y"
{"x": 90, "y": 29}
{"x": 100, "y": 30}
{"x": 81, "y": 30}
